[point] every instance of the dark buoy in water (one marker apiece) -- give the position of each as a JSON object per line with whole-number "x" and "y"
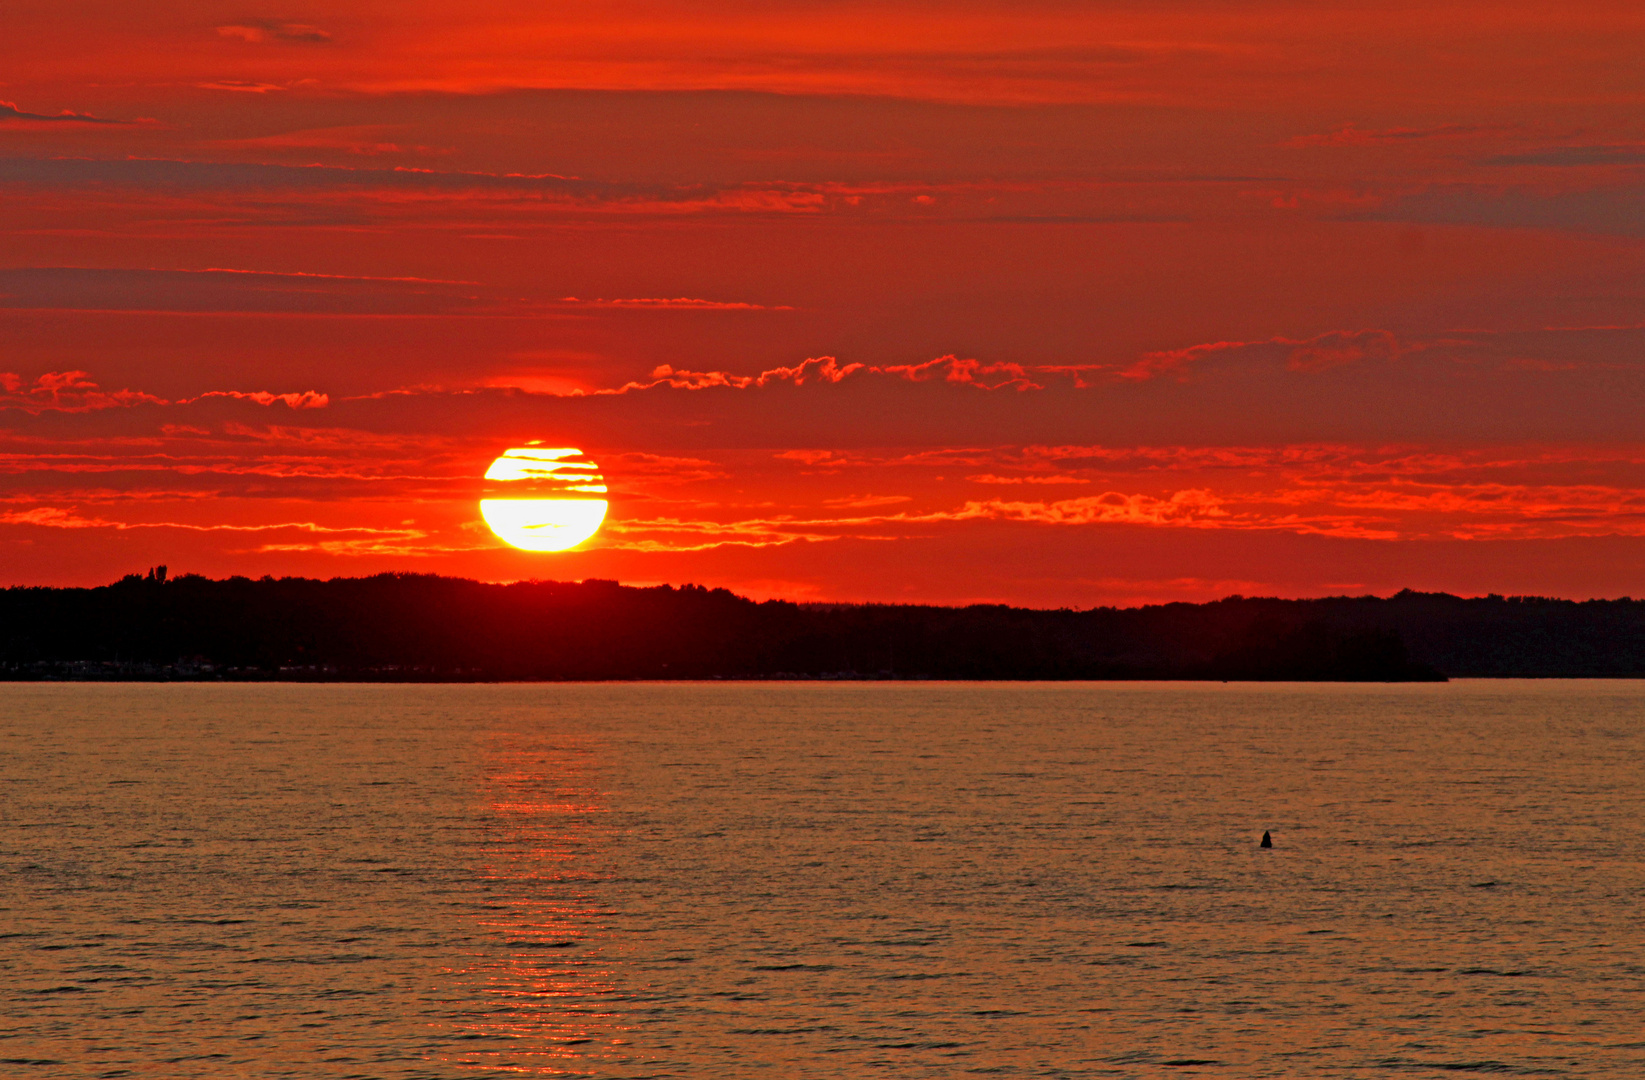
{"x": 1267, "y": 841}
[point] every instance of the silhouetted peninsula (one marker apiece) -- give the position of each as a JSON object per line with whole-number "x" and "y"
{"x": 417, "y": 627}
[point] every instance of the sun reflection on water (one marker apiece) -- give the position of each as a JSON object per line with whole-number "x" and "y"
{"x": 542, "y": 987}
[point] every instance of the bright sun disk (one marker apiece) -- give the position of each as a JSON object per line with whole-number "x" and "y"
{"x": 552, "y": 510}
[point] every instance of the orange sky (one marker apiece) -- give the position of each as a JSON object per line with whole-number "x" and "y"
{"x": 1046, "y": 303}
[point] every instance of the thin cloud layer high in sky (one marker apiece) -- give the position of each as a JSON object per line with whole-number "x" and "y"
{"x": 1045, "y": 303}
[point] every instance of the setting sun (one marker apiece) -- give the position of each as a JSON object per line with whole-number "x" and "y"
{"x": 545, "y": 504}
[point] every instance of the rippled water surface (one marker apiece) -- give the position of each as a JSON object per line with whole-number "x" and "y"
{"x": 822, "y": 880}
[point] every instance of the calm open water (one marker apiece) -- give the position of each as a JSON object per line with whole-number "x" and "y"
{"x": 822, "y": 880}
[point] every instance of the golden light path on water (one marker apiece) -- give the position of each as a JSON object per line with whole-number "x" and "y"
{"x": 547, "y": 505}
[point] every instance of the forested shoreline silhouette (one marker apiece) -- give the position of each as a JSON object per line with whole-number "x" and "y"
{"x": 422, "y": 627}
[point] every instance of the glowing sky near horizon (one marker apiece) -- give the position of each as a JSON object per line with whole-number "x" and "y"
{"x": 1046, "y": 303}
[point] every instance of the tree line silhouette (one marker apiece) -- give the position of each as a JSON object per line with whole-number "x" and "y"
{"x": 422, "y": 627}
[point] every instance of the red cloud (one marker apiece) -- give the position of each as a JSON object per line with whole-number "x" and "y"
{"x": 952, "y": 369}
{"x": 66, "y": 391}
{"x": 688, "y": 303}
{"x": 820, "y": 369}
{"x": 1311, "y": 354}
{"x": 1350, "y": 135}
{"x": 74, "y": 391}
{"x": 262, "y": 31}
{"x": 10, "y": 112}
{"x": 827, "y": 369}
{"x": 308, "y": 399}
{"x": 1190, "y": 507}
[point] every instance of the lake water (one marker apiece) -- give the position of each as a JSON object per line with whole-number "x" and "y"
{"x": 822, "y": 880}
